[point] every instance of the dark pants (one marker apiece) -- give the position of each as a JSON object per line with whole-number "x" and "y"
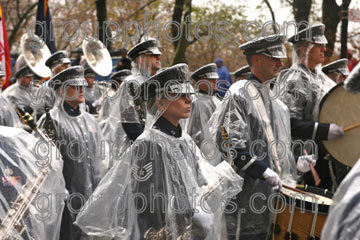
{"x": 68, "y": 230}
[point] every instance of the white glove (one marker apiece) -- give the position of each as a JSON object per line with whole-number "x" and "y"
{"x": 202, "y": 219}
{"x": 97, "y": 102}
{"x": 335, "y": 131}
{"x": 272, "y": 178}
{"x": 304, "y": 161}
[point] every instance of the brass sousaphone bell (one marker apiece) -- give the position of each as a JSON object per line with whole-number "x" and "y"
{"x": 97, "y": 56}
{"x": 35, "y": 54}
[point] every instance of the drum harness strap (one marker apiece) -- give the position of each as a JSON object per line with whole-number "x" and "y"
{"x": 332, "y": 174}
{"x": 265, "y": 122}
{"x": 313, "y": 225}
{"x": 292, "y": 212}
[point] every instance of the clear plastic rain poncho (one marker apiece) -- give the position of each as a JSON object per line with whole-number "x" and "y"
{"x": 20, "y": 96}
{"x": 343, "y": 221}
{"x": 80, "y": 145}
{"x": 302, "y": 89}
{"x": 256, "y": 121}
{"x": 125, "y": 110}
{"x": 84, "y": 153}
{"x": 44, "y": 98}
{"x": 8, "y": 116}
{"x": 23, "y": 157}
{"x": 94, "y": 93}
{"x": 109, "y": 98}
{"x": 202, "y": 107}
{"x": 156, "y": 185}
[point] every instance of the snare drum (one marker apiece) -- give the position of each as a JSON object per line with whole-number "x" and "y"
{"x": 300, "y": 219}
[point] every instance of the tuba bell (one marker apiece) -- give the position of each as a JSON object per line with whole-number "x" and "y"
{"x": 97, "y": 56}
{"x": 35, "y": 53}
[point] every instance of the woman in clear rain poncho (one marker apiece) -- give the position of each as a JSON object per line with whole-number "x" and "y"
{"x": 22, "y": 158}
{"x": 302, "y": 88}
{"x": 204, "y": 103}
{"x": 78, "y": 137}
{"x": 253, "y": 127}
{"x": 159, "y": 185}
{"x": 8, "y": 116}
{"x": 343, "y": 220}
{"x": 126, "y": 120}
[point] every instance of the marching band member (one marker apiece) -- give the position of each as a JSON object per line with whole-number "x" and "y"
{"x": 252, "y": 128}
{"x": 157, "y": 189}
{"x": 8, "y": 116}
{"x": 241, "y": 73}
{"x": 127, "y": 119}
{"x": 116, "y": 79}
{"x": 44, "y": 95}
{"x": 22, "y": 92}
{"x": 78, "y": 137}
{"x": 204, "y": 102}
{"x": 93, "y": 92}
{"x": 24, "y": 161}
{"x": 337, "y": 70}
{"x": 301, "y": 88}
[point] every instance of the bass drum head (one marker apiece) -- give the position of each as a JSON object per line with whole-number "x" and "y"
{"x": 342, "y": 108}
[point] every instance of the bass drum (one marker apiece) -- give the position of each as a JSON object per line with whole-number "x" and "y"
{"x": 343, "y": 108}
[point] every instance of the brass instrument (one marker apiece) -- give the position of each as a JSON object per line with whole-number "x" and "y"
{"x": 138, "y": 105}
{"x": 97, "y": 56}
{"x": 225, "y": 137}
{"x": 35, "y": 53}
{"x": 164, "y": 233}
{"x": 13, "y": 221}
{"x": 49, "y": 126}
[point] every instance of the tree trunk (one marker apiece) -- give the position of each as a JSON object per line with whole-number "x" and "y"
{"x": 180, "y": 53}
{"x": 331, "y": 18}
{"x": 101, "y": 16}
{"x": 344, "y": 26}
{"x": 176, "y": 17}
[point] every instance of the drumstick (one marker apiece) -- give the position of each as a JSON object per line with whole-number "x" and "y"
{"x": 352, "y": 127}
{"x": 294, "y": 189}
{"x": 316, "y": 177}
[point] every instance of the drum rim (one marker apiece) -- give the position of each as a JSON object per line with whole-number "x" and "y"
{"x": 326, "y": 96}
{"x": 322, "y": 208}
{"x": 320, "y": 108}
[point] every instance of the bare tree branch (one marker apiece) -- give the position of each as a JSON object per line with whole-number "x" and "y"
{"x": 19, "y": 24}
{"x": 141, "y": 8}
{"x": 200, "y": 35}
{"x": 272, "y": 14}
{"x": 354, "y": 35}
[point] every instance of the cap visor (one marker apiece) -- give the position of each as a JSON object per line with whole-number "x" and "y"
{"x": 154, "y": 51}
{"x": 77, "y": 82}
{"x": 320, "y": 39}
{"x": 182, "y": 88}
